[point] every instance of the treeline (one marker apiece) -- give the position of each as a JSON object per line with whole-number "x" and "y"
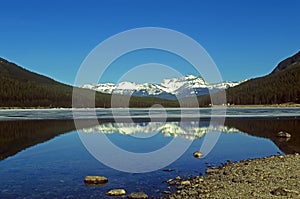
{"x": 23, "y": 88}
{"x": 16, "y": 93}
{"x": 19, "y": 93}
{"x": 275, "y": 88}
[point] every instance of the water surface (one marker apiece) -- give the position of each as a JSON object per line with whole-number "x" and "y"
{"x": 46, "y": 158}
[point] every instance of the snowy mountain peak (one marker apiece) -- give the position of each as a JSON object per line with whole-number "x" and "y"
{"x": 127, "y": 85}
{"x": 173, "y": 88}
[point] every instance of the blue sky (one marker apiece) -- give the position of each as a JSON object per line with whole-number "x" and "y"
{"x": 245, "y": 38}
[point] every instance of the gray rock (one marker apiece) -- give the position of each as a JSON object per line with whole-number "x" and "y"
{"x": 137, "y": 195}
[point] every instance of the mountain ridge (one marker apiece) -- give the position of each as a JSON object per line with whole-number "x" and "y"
{"x": 287, "y": 63}
{"x": 12, "y": 70}
{"x": 278, "y": 87}
{"x": 174, "y": 88}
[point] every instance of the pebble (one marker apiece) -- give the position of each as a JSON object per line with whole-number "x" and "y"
{"x": 211, "y": 171}
{"x": 186, "y": 183}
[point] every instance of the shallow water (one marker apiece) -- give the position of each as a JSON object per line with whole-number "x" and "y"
{"x": 47, "y": 159}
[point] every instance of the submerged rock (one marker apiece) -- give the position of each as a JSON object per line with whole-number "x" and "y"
{"x": 137, "y": 195}
{"x": 116, "y": 192}
{"x": 95, "y": 180}
{"x": 283, "y": 134}
{"x": 168, "y": 170}
{"x": 198, "y": 154}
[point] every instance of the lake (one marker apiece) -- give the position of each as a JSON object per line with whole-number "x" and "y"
{"x": 44, "y": 155}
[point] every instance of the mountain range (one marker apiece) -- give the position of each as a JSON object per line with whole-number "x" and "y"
{"x": 175, "y": 88}
{"x": 23, "y": 88}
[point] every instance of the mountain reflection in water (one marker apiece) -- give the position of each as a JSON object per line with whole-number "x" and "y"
{"x": 188, "y": 130}
{"x": 269, "y": 129}
{"x": 19, "y": 135}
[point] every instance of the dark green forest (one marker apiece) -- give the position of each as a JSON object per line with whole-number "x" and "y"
{"x": 22, "y": 88}
{"x": 279, "y": 87}
{"x": 276, "y": 88}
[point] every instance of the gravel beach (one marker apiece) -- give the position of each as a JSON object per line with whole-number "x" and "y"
{"x": 270, "y": 177}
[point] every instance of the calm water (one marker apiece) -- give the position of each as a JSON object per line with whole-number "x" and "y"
{"x": 46, "y": 158}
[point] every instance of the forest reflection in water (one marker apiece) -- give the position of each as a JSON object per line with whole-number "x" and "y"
{"x": 16, "y": 136}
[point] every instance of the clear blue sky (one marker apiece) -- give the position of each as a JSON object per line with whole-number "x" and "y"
{"x": 246, "y": 38}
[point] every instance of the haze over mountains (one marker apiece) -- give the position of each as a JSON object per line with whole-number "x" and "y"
{"x": 23, "y": 88}
{"x": 175, "y": 88}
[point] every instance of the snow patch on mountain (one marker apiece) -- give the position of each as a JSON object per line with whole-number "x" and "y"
{"x": 186, "y": 86}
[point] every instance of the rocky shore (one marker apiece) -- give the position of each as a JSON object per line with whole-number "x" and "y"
{"x": 270, "y": 177}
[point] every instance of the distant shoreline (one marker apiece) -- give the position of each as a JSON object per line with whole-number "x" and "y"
{"x": 286, "y": 105}
{"x": 265, "y": 106}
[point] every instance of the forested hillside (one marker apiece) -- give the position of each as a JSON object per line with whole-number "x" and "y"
{"x": 22, "y": 88}
{"x": 275, "y": 88}
{"x": 280, "y": 86}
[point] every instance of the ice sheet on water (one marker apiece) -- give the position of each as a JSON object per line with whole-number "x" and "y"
{"x": 140, "y": 113}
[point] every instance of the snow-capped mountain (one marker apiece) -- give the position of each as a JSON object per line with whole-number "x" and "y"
{"x": 186, "y": 86}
